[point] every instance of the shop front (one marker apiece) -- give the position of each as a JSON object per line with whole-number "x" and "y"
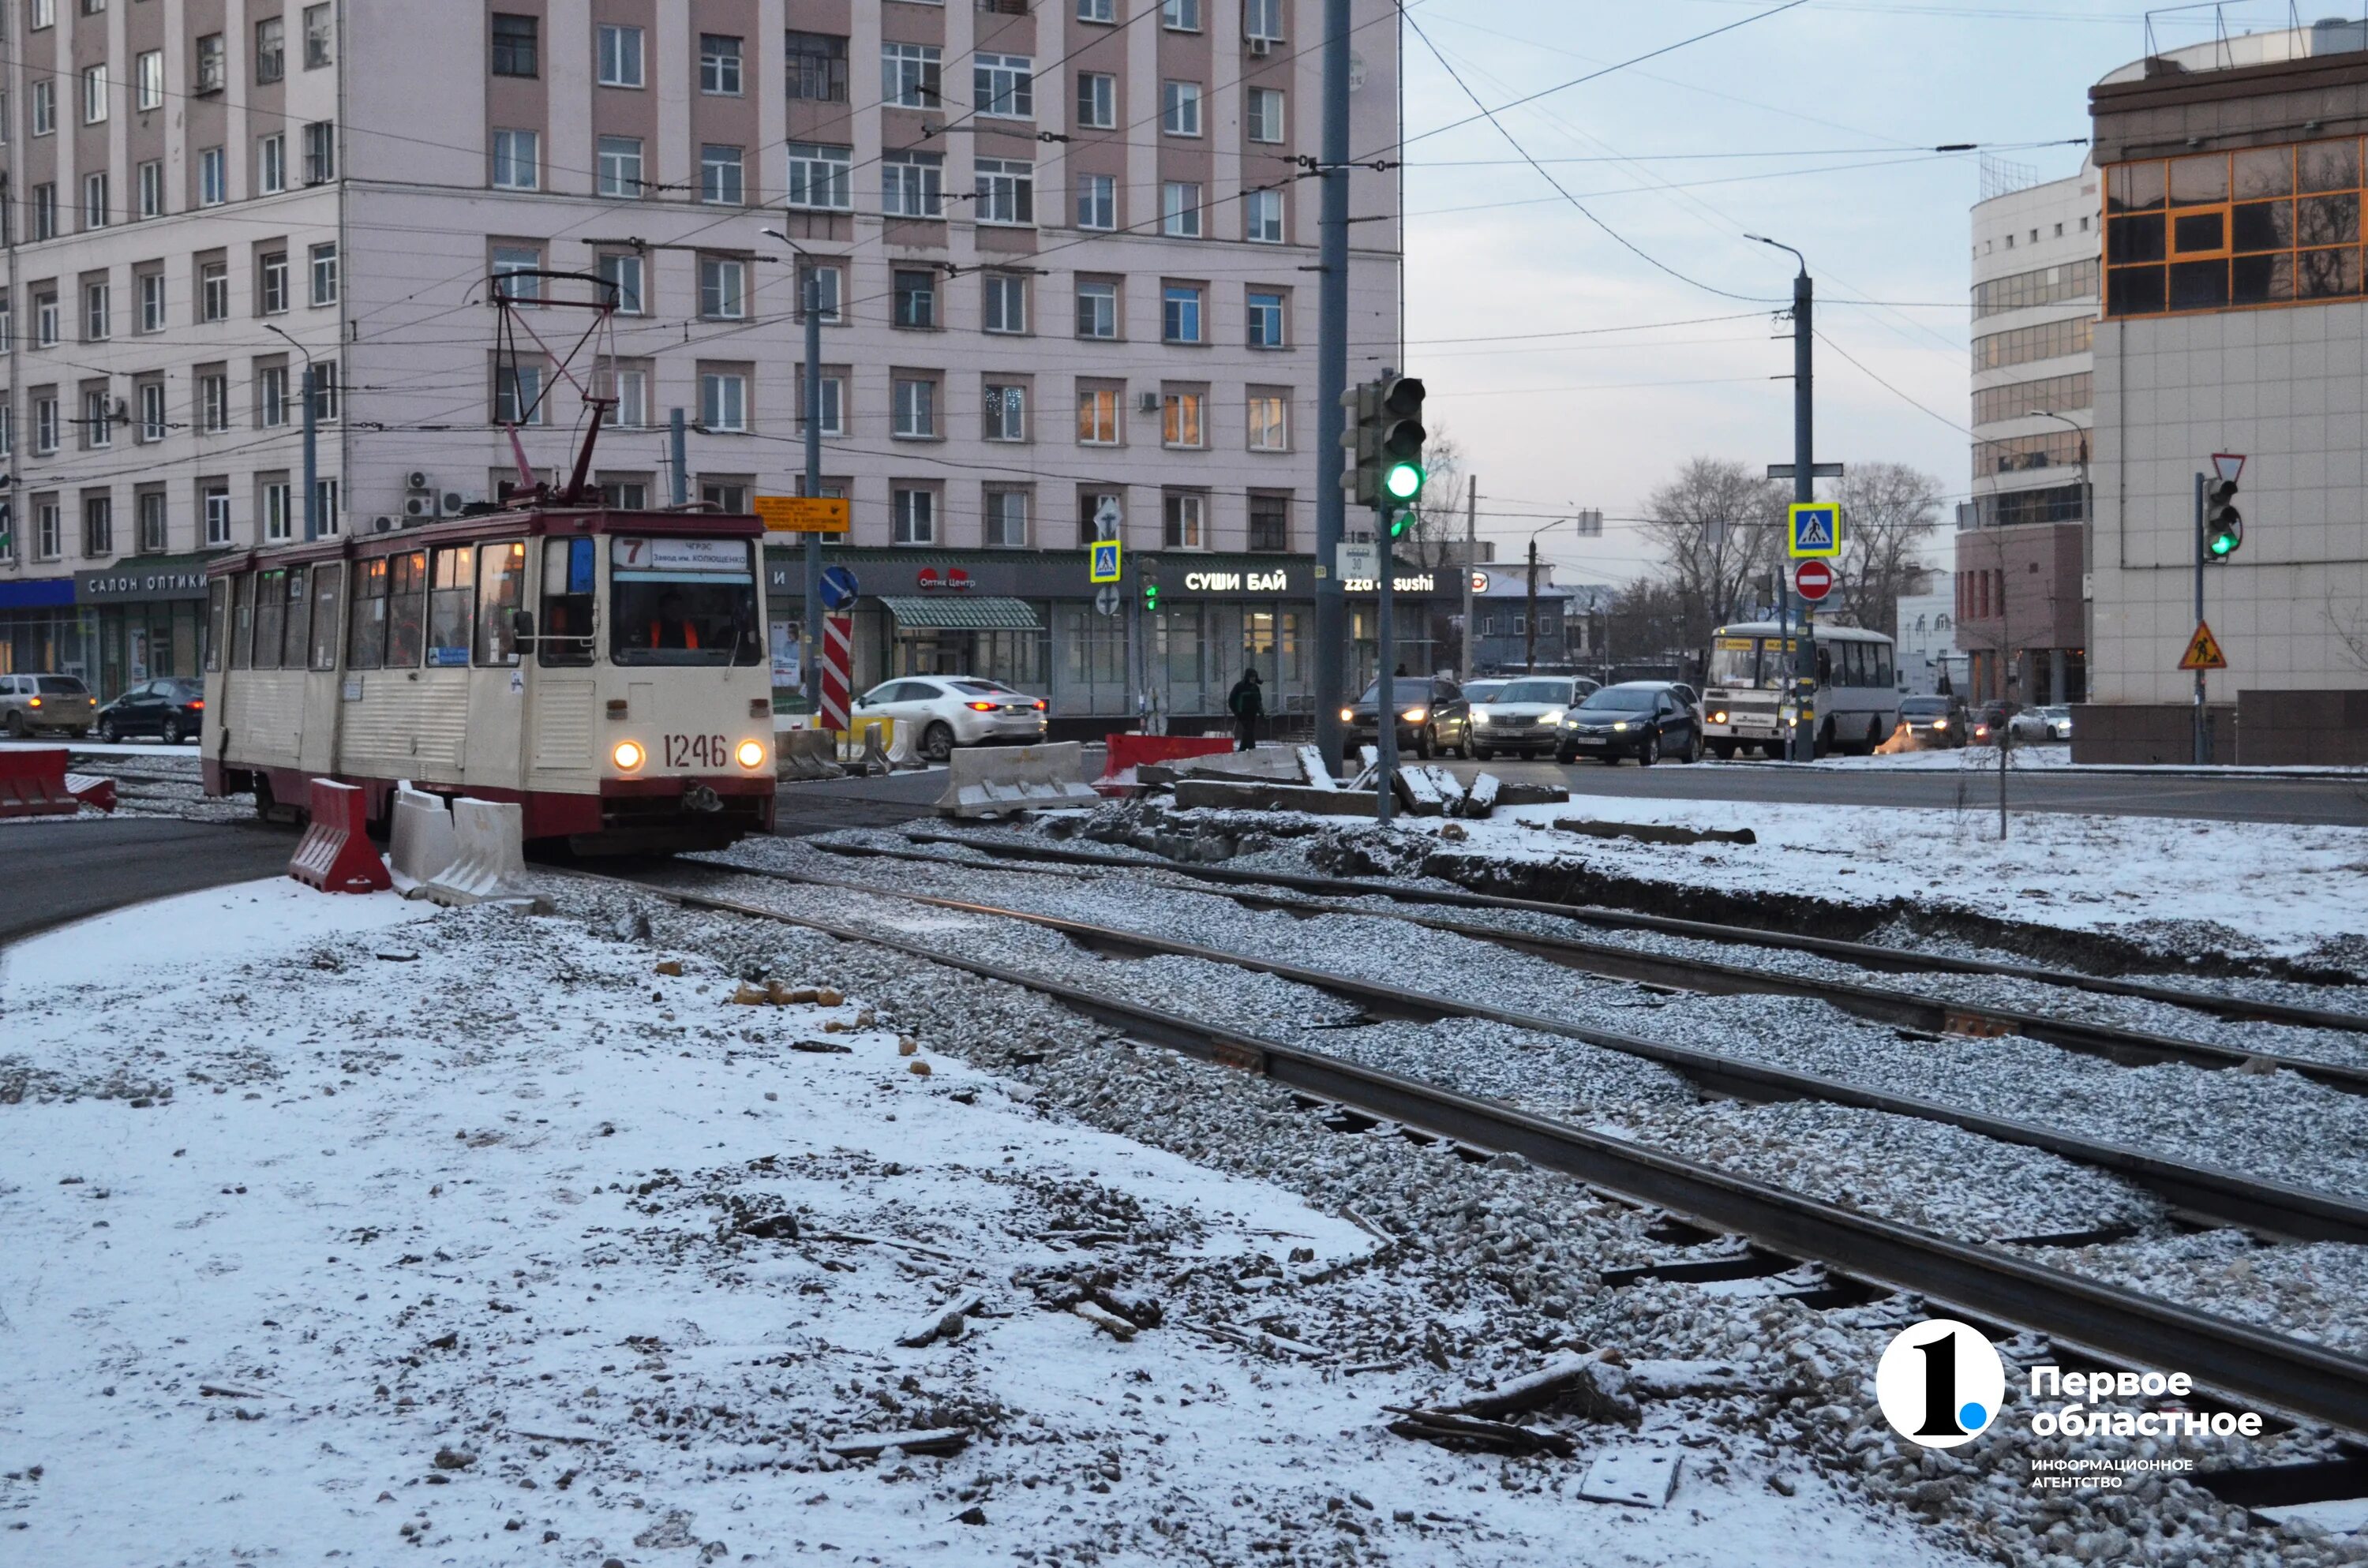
{"x": 142, "y": 617}
{"x": 40, "y": 633}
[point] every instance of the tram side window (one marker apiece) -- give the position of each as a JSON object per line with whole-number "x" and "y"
{"x": 501, "y": 591}
{"x": 449, "y": 607}
{"x": 270, "y": 616}
{"x": 241, "y": 619}
{"x": 217, "y": 621}
{"x": 328, "y": 587}
{"x": 406, "y": 610}
{"x": 563, "y": 634}
{"x": 366, "y": 638}
{"x": 297, "y": 637}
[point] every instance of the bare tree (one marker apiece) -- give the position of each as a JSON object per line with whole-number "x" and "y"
{"x": 1716, "y": 527}
{"x": 1889, "y": 512}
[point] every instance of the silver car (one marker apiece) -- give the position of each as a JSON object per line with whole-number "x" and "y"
{"x": 2041, "y": 724}
{"x": 33, "y": 703}
{"x": 950, "y": 710}
{"x": 1524, "y": 717}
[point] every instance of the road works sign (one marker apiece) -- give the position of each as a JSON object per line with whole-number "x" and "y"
{"x": 1813, "y": 530}
{"x": 1102, "y": 561}
{"x": 2203, "y": 650}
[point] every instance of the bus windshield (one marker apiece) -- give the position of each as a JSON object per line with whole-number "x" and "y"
{"x": 683, "y": 601}
{"x": 1735, "y": 662}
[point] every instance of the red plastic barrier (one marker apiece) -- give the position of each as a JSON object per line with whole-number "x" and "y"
{"x": 1129, "y": 752}
{"x": 92, "y": 789}
{"x": 335, "y": 854}
{"x": 33, "y": 783}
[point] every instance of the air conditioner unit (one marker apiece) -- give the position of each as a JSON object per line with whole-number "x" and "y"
{"x": 382, "y": 524}
{"x": 417, "y": 480}
{"x": 1150, "y": 404}
{"x": 1261, "y": 46}
{"x": 448, "y": 504}
{"x": 418, "y": 507}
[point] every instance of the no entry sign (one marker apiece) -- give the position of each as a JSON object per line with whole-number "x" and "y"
{"x": 1815, "y": 579}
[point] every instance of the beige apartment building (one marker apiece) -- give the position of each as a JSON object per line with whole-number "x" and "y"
{"x": 1066, "y": 249}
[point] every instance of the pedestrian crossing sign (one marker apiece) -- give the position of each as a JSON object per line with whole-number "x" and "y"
{"x": 1103, "y": 561}
{"x": 1813, "y": 530}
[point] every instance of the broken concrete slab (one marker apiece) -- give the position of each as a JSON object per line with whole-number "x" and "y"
{"x": 1228, "y": 795}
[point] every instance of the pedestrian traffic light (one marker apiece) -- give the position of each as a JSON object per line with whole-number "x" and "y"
{"x": 1360, "y": 437}
{"x": 1402, "y": 437}
{"x": 2224, "y": 525}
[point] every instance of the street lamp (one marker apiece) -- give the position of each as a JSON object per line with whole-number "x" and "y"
{"x": 2088, "y": 539}
{"x": 311, "y": 439}
{"x": 1529, "y": 624}
{"x": 810, "y": 298}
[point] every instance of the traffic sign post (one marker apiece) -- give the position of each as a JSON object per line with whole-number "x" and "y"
{"x": 1813, "y": 530}
{"x": 1815, "y": 580}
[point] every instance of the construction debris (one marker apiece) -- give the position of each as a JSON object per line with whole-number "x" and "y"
{"x": 1451, "y": 1430}
{"x": 1656, "y": 832}
{"x": 871, "y": 1445}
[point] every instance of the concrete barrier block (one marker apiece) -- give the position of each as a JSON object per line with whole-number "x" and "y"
{"x": 419, "y": 840}
{"x": 985, "y": 781}
{"x": 489, "y": 861}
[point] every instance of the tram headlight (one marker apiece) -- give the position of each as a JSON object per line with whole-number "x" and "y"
{"x": 751, "y": 754}
{"x": 629, "y": 756}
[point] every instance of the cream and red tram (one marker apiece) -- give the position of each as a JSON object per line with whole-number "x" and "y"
{"x": 606, "y": 670}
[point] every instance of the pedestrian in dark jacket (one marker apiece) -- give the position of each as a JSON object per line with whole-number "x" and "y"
{"x": 1246, "y": 701}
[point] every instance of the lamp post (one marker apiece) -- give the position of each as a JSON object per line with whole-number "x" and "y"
{"x": 312, "y": 438}
{"x": 2055, "y": 661}
{"x": 810, "y": 300}
{"x": 1529, "y": 622}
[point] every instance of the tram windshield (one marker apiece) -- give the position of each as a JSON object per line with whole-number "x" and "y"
{"x": 683, "y": 601}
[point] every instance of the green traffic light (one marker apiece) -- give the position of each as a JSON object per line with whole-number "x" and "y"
{"x": 1403, "y": 481}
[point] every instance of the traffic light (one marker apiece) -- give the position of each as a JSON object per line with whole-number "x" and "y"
{"x": 2224, "y": 526}
{"x": 1401, "y": 448}
{"x": 1150, "y": 586}
{"x": 1360, "y": 437}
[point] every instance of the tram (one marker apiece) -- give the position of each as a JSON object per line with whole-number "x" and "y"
{"x": 606, "y": 670}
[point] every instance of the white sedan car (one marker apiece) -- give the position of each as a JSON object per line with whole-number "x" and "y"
{"x": 951, "y": 710}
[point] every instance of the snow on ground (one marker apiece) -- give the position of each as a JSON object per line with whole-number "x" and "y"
{"x": 337, "y": 1226}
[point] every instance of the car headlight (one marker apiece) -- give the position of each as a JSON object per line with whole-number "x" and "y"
{"x": 1622, "y": 724}
{"x": 1719, "y": 716}
{"x": 629, "y": 756}
{"x": 751, "y": 754}
{"x": 1479, "y": 715}
{"x": 1348, "y": 715}
{"x": 1551, "y": 716}
{"x": 1416, "y": 715}
{"x": 1940, "y": 724}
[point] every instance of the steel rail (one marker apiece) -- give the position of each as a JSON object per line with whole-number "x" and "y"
{"x": 1866, "y": 955}
{"x": 2232, "y": 1358}
{"x": 2269, "y": 1208}
{"x": 1908, "y": 1009}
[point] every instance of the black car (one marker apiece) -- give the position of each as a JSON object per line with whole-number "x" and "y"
{"x": 172, "y": 709}
{"x": 1989, "y": 725}
{"x": 1648, "y": 719}
{"x": 1433, "y": 717}
{"x": 1934, "y": 721}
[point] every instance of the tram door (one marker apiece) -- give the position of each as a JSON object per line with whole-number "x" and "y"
{"x": 498, "y": 695}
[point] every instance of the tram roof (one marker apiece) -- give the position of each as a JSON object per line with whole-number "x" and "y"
{"x": 549, "y": 522}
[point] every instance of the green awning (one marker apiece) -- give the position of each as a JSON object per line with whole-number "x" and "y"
{"x": 966, "y": 614}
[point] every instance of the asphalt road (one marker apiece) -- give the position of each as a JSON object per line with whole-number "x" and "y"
{"x": 54, "y": 872}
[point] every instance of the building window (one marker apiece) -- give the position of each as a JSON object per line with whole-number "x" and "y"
{"x": 97, "y": 313}
{"x": 319, "y": 151}
{"x": 211, "y": 76}
{"x": 817, "y": 67}
{"x": 1097, "y": 201}
{"x": 97, "y": 419}
{"x": 514, "y": 269}
{"x": 45, "y": 211}
{"x": 911, "y": 76}
{"x": 150, "y": 505}
{"x": 720, "y": 179}
{"x": 271, "y": 162}
{"x": 1179, "y": 205}
{"x": 45, "y": 426}
{"x": 828, "y": 280}
{"x": 1003, "y": 86}
{"x": 621, "y": 56}
{"x": 213, "y": 178}
{"x": 213, "y": 504}
{"x": 1097, "y": 101}
{"x": 1269, "y": 523}
{"x": 98, "y": 526}
{"x": 325, "y": 274}
{"x": 723, "y": 401}
{"x": 516, "y": 45}
{"x": 45, "y": 321}
{"x": 317, "y": 51}
{"x": 916, "y": 299}
{"x": 719, "y": 65}
{"x": 1103, "y": 11}
{"x": 625, "y": 494}
{"x": 94, "y": 201}
{"x": 48, "y": 541}
{"x": 93, "y": 93}
{"x": 1097, "y": 310}
{"x": 621, "y": 270}
{"x": 7, "y": 431}
{"x": 1270, "y": 422}
{"x": 2050, "y": 394}
{"x": 518, "y": 160}
{"x": 151, "y": 302}
{"x": 913, "y": 184}
{"x": 723, "y": 495}
{"x": 278, "y": 523}
{"x": 518, "y": 394}
{"x": 270, "y": 52}
{"x": 45, "y": 110}
{"x": 152, "y": 425}
{"x": 1098, "y": 417}
{"x": 1262, "y": 19}
{"x": 1266, "y": 320}
{"x": 324, "y": 389}
{"x": 819, "y": 176}
{"x": 214, "y": 291}
{"x": 213, "y": 402}
{"x": 271, "y": 283}
{"x": 833, "y": 401}
{"x": 1179, "y": 108}
{"x": 1180, "y": 423}
{"x": 1003, "y": 298}
{"x": 1264, "y": 116}
{"x": 723, "y": 288}
{"x": 630, "y": 385}
{"x": 1180, "y": 15}
{"x": 326, "y": 498}
{"x": 1183, "y": 515}
{"x": 1006, "y": 412}
{"x": 1007, "y": 519}
{"x": 1262, "y": 217}
{"x": 915, "y": 409}
{"x": 915, "y": 514}
{"x": 620, "y": 165}
{"x": 1006, "y": 191}
{"x": 1180, "y": 314}
{"x": 151, "y": 188}
{"x": 2049, "y": 340}
{"x": 41, "y": 14}
{"x": 271, "y": 396}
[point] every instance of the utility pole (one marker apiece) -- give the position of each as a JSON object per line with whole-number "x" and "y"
{"x": 810, "y": 656}
{"x": 1331, "y": 380}
{"x": 1471, "y": 565}
{"x": 1385, "y": 700}
{"x": 1800, "y": 748}
{"x": 2202, "y": 718}
{"x": 1530, "y": 648}
{"x": 312, "y": 438}
{"x": 677, "y": 446}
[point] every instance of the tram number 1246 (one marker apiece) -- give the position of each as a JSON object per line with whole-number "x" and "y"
{"x": 696, "y": 751}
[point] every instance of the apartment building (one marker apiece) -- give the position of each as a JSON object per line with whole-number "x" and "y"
{"x": 2018, "y": 613}
{"x": 1066, "y": 251}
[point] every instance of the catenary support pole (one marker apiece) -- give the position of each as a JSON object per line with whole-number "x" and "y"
{"x": 810, "y": 623}
{"x": 1385, "y": 697}
{"x": 2202, "y": 717}
{"x": 311, "y": 455}
{"x": 1802, "y": 745}
{"x": 677, "y": 446}
{"x": 1331, "y": 380}
{"x": 1530, "y": 647}
{"x": 1471, "y": 565}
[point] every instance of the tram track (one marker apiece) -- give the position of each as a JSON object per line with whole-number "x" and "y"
{"x": 2118, "y": 1324}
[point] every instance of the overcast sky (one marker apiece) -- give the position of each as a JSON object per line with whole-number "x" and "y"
{"x": 1811, "y": 126}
